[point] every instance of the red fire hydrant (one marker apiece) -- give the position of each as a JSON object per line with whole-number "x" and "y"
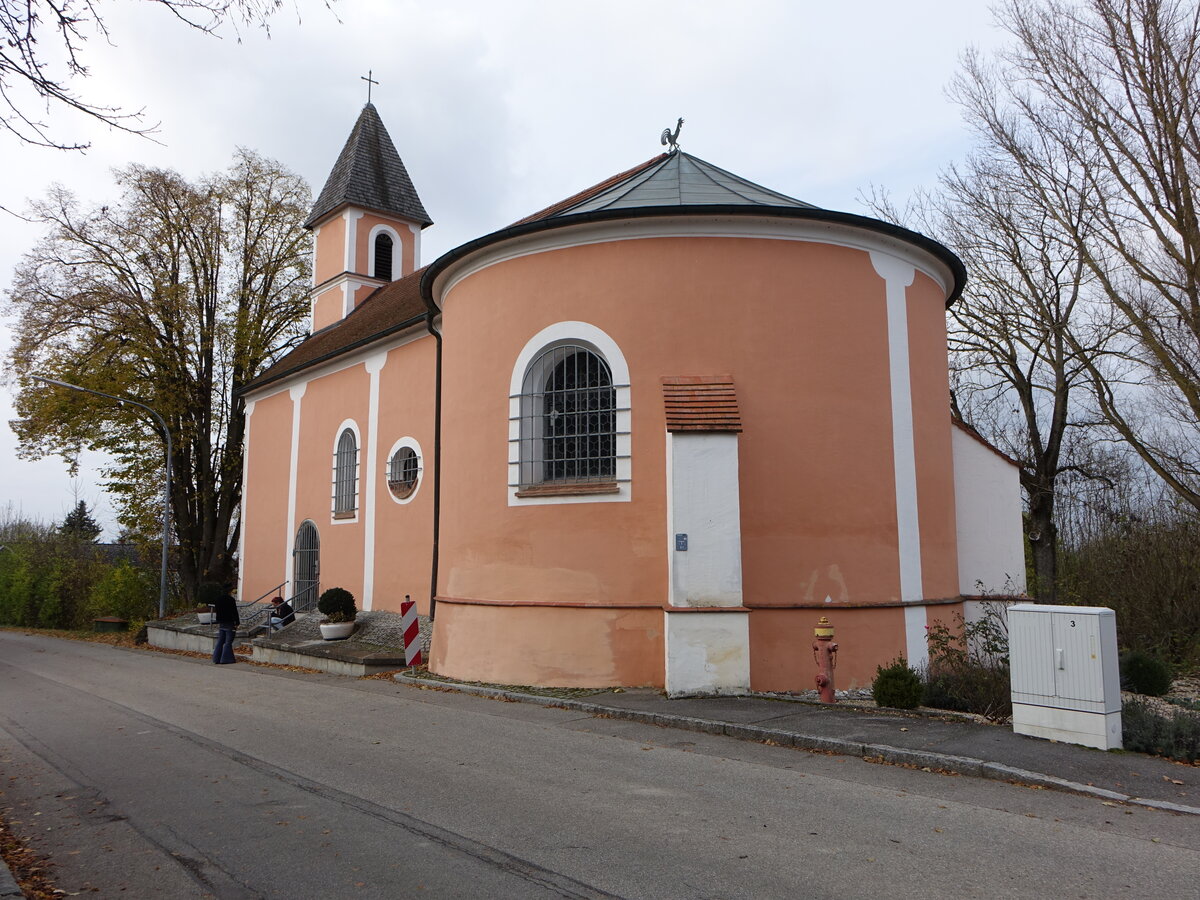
{"x": 825, "y": 656}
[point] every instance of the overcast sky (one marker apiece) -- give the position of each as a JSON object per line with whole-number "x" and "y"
{"x": 500, "y": 108}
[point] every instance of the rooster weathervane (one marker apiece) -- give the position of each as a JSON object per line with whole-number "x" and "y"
{"x": 670, "y": 139}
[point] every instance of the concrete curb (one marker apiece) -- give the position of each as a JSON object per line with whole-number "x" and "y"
{"x": 903, "y": 756}
{"x": 8, "y": 884}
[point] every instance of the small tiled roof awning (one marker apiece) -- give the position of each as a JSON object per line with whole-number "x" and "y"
{"x": 701, "y": 403}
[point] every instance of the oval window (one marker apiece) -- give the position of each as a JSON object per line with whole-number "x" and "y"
{"x": 404, "y": 469}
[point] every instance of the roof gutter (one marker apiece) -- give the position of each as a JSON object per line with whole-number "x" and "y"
{"x": 430, "y": 314}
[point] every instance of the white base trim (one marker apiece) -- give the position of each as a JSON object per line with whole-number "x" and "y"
{"x": 707, "y": 653}
{"x": 1100, "y": 730}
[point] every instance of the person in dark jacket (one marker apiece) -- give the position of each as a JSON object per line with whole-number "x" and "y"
{"x": 281, "y": 614}
{"x": 227, "y": 623}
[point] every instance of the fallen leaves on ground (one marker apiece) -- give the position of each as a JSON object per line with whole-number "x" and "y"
{"x": 30, "y": 870}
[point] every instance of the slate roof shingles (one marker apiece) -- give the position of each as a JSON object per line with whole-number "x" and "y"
{"x": 369, "y": 173}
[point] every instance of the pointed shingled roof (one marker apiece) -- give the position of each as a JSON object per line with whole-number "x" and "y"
{"x": 678, "y": 179}
{"x": 369, "y": 173}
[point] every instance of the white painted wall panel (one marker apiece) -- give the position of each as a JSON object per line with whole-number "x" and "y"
{"x": 705, "y": 505}
{"x": 987, "y": 506}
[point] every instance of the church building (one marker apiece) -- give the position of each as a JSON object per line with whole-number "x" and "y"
{"x": 646, "y": 436}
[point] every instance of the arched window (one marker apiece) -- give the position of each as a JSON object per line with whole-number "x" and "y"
{"x": 383, "y": 256}
{"x": 568, "y": 418}
{"x": 345, "y": 476}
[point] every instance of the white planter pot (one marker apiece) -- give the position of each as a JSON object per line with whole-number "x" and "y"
{"x": 206, "y": 618}
{"x": 336, "y": 631}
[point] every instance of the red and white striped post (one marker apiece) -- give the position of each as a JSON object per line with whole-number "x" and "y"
{"x": 412, "y": 632}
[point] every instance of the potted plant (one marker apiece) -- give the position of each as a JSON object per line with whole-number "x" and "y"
{"x": 206, "y": 596}
{"x": 337, "y": 606}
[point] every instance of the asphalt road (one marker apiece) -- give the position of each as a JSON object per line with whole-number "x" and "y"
{"x": 151, "y": 775}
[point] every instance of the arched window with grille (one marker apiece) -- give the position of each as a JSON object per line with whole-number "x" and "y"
{"x": 383, "y": 256}
{"x": 569, "y": 418}
{"x": 345, "y": 475}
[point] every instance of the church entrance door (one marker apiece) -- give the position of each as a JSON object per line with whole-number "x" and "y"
{"x": 306, "y": 567}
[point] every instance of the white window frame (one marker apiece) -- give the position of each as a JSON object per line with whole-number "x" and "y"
{"x": 397, "y": 250}
{"x": 412, "y": 444}
{"x": 334, "y": 517}
{"x": 596, "y": 340}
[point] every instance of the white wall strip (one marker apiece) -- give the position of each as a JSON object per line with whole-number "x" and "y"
{"x": 297, "y": 394}
{"x": 374, "y": 366}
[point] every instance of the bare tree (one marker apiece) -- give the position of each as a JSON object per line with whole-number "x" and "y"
{"x": 176, "y": 296}
{"x": 1016, "y": 369}
{"x": 27, "y": 78}
{"x": 1097, "y": 106}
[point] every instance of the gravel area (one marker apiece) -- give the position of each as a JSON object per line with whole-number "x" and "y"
{"x": 377, "y": 627}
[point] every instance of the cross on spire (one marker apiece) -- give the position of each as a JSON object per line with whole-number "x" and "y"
{"x": 370, "y": 81}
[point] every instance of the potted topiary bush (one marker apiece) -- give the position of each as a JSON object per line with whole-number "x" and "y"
{"x": 337, "y": 606}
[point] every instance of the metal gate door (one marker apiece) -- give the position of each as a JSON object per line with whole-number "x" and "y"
{"x": 306, "y": 567}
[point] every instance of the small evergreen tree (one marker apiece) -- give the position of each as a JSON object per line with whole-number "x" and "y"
{"x": 80, "y": 525}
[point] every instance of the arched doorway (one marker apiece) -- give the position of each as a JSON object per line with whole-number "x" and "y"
{"x": 306, "y": 566}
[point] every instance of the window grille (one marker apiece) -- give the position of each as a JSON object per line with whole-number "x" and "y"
{"x": 403, "y": 469}
{"x": 345, "y": 475}
{"x": 383, "y": 257}
{"x": 306, "y": 569}
{"x": 568, "y": 418}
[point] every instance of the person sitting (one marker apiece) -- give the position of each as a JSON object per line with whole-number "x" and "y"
{"x": 281, "y": 614}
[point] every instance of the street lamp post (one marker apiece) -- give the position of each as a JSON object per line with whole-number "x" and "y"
{"x": 166, "y": 515}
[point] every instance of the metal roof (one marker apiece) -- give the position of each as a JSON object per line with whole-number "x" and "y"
{"x": 368, "y": 173}
{"x": 681, "y": 179}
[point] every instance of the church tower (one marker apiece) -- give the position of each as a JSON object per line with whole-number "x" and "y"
{"x": 366, "y": 223}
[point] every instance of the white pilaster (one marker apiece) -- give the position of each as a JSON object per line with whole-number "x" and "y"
{"x": 296, "y": 393}
{"x": 249, "y": 409}
{"x": 898, "y": 275}
{"x": 416, "y": 232}
{"x": 351, "y": 217}
{"x": 374, "y": 366}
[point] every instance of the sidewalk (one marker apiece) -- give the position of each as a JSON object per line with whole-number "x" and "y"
{"x": 926, "y": 741}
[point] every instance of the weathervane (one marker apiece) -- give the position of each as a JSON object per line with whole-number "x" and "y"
{"x": 671, "y": 139}
{"x": 370, "y": 81}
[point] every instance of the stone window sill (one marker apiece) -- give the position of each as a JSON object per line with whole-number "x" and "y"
{"x": 569, "y": 489}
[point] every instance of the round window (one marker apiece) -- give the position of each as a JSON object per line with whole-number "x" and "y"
{"x": 404, "y": 468}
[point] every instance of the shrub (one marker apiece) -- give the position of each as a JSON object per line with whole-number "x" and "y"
{"x": 1142, "y": 559}
{"x": 337, "y": 605}
{"x": 968, "y": 665}
{"x": 897, "y": 686}
{"x": 1148, "y": 731}
{"x": 124, "y": 591}
{"x": 1144, "y": 673}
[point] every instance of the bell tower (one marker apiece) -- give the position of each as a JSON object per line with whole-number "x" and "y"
{"x": 366, "y": 223}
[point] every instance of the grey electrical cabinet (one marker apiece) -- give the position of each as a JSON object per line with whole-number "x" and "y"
{"x": 1066, "y": 684}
